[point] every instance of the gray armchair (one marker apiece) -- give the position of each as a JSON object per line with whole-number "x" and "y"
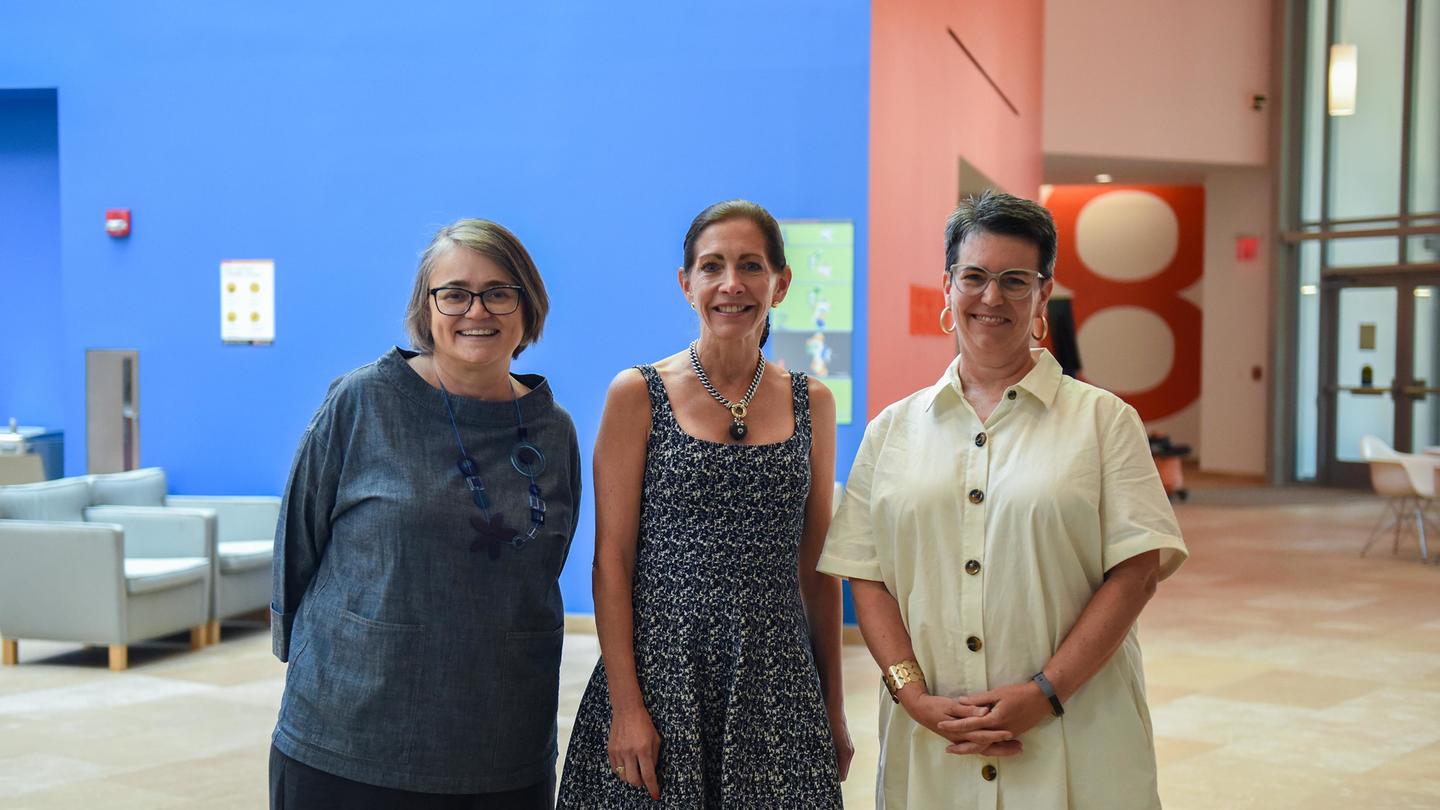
{"x": 110, "y": 576}
{"x": 243, "y": 528}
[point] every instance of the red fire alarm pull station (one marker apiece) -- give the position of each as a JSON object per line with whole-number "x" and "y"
{"x": 117, "y": 222}
{"x": 1247, "y": 248}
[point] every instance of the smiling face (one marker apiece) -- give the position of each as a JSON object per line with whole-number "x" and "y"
{"x": 476, "y": 338}
{"x": 990, "y": 326}
{"x": 731, "y": 283}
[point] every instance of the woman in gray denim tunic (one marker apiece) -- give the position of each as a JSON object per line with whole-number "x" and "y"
{"x": 427, "y": 517}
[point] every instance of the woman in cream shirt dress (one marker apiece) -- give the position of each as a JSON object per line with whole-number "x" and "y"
{"x": 1002, "y": 530}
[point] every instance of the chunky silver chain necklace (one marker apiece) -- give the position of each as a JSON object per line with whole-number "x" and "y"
{"x": 738, "y": 410}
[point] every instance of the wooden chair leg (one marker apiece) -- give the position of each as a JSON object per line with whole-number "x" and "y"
{"x": 212, "y": 632}
{"x": 119, "y": 657}
{"x": 11, "y": 652}
{"x": 198, "y": 634}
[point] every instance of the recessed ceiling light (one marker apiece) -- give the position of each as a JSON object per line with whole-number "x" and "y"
{"x": 1104, "y": 178}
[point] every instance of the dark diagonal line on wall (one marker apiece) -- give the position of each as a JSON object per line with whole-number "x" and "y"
{"x": 979, "y": 67}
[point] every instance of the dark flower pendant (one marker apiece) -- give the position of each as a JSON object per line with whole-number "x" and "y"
{"x": 493, "y": 533}
{"x": 738, "y": 430}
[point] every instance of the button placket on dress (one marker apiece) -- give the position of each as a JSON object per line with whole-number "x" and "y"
{"x": 975, "y": 504}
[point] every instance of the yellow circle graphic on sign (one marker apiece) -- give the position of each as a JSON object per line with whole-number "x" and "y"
{"x": 230, "y": 316}
{"x": 254, "y": 286}
{"x": 230, "y": 287}
{"x": 254, "y": 316}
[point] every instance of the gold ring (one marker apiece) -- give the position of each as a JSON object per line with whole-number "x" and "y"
{"x": 618, "y": 769}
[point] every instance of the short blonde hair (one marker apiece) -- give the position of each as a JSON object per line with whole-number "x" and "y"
{"x": 494, "y": 242}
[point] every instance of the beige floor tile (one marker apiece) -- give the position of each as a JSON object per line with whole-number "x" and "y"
{"x": 1196, "y": 672}
{"x": 35, "y": 772}
{"x": 1353, "y": 796}
{"x": 1169, "y": 751}
{"x": 1217, "y": 780}
{"x": 1291, "y": 688}
{"x": 1416, "y": 772}
{"x": 103, "y": 793}
{"x": 1160, "y": 694}
{"x": 1203, "y": 718}
{"x": 233, "y": 778}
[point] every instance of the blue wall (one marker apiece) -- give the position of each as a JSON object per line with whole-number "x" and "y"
{"x": 336, "y": 140}
{"x": 31, "y": 387}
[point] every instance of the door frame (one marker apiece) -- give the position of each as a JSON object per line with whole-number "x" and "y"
{"x": 1329, "y": 469}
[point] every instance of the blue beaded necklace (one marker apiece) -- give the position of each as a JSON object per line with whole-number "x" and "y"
{"x": 527, "y": 459}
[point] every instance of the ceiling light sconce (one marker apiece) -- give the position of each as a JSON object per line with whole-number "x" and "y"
{"x": 1104, "y": 178}
{"x": 1342, "y": 80}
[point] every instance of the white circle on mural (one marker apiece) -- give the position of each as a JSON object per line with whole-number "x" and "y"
{"x": 1126, "y": 349}
{"x": 1126, "y": 235}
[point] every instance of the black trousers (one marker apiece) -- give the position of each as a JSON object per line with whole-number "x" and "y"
{"x": 297, "y": 786}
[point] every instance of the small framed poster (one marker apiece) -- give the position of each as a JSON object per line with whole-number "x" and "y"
{"x": 247, "y": 301}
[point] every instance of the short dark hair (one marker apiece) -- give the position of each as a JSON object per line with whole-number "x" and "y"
{"x": 1005, "y": 214}
{"x": 739, "y": 209}
{"x": 496, "y": 243}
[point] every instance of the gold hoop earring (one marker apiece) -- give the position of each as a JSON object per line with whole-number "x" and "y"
{"x": 1045, "y": 330}
{"x": 942, "y": 320}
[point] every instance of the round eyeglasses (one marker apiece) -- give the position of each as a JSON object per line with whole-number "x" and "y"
{"x": 499, "y": 300}
{"x": 1014, "y": 284}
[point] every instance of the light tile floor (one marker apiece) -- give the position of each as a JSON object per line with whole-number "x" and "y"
{"x": 1284, "y": 672}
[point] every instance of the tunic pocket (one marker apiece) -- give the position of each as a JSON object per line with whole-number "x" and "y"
{"x": 354, "y": 674}
{"x": 527, "y": 698}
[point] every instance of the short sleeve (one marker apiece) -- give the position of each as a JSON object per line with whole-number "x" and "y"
{"x": 850, "y": 544}
{"x": 1135, "y": 514}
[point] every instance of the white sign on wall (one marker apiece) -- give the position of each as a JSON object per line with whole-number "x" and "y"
{"x": 247, "y": 301}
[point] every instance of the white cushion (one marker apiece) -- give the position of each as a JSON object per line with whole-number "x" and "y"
{"x": 146, "y": 574}
{"x": 244, "y": 555}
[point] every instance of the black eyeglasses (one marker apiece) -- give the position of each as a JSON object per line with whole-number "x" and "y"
{"x": 500, "y": 300}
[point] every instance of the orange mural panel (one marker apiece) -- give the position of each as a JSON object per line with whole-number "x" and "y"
{"x": 925, "y": 306}
{"x": 1097, "y": 289}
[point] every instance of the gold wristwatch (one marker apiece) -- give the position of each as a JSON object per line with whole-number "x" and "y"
{"x": 898, "y": 676}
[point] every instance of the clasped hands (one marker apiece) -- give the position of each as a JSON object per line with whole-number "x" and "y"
{"x": 986, "y": 723}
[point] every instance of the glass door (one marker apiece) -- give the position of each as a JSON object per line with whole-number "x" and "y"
{"x": 1381, "y": 375}
{"x": 1423, "y": 392}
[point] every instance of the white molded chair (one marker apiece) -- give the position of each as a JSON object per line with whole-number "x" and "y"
{"x": 1408, "y": 482}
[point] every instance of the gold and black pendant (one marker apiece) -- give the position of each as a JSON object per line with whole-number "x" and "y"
{"x": 737, "y": 426}
{"x": 738, "y": 410}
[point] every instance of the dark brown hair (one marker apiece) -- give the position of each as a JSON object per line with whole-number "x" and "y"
{"x": 739, "y": 209}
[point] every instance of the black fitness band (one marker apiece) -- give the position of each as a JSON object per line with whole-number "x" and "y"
{"x": 1044, "y": 684}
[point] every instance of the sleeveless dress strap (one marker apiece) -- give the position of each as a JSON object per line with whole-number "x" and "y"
{"x": 800, "y": 390}
{"x": 659, "y": 400}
